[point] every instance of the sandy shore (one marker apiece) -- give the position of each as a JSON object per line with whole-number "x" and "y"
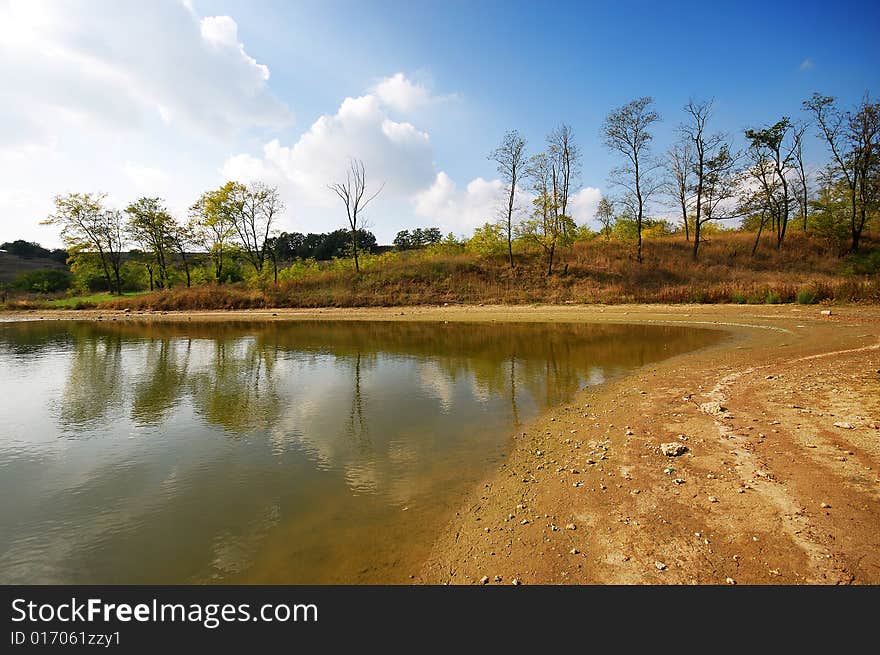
{"x": 780, "y": 482}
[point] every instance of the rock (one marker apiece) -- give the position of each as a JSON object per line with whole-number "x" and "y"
{"x": 730, "y": 581}
{"x": 515, "y": 582}
{"x": 844, "y": 425}
{"x": 825, "y": 312}
{"x": 484, "y": 579}
{"x": 571, "y": 526}
{"x": 497, "y": 578}
{"x": 713, "y": 499}
{"x": 678, "y": 481}
{"x": 713, "y": 408}
{"x": 660, "y": 566}
{"x": 574, "y": 551}
{"x": 524, "y": 522}
{"x": 673, "y": 449}
{"x": 825, "y": 506}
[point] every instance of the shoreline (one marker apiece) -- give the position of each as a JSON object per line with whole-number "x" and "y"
{"x": 769, "y": 490}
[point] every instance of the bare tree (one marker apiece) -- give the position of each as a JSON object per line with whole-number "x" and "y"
{"x": 713, "y": 166}
{"x": 511, "y": 159}
{"x": 627, "y": 130}
{"x": 802, "y": 187}
{"x": 680, "y": 169}
{"x": 565, "y": 161}
{"x": 353, "y": 192}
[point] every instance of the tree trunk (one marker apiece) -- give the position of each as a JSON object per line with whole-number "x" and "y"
{"x": 354, "y": 246}
{"x": 696, "y": 240}
{"x": 510, "y": 221}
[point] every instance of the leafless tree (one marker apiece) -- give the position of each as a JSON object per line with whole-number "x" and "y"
{"x": 565, "y": 161}
{"x": 713, "y": 165}
{"x": 511, "y": 159}
{"x": 627, "y": 131}
{"x": 353, "y": 193}
{"x": 680, "y": 169}
{"x": 802, "y": 186}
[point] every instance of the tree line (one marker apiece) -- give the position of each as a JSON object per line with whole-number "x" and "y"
{"x": 702, "y": 176}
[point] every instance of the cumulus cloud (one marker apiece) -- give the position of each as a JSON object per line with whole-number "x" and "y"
{"x": 114, "y": 96}
{"x": 401, "y": 94}
{"x": 481, "y": 201}
{"x": 394, "y": 152}
{"x": 583, "y": 205}
{"x": 125, "y": 64}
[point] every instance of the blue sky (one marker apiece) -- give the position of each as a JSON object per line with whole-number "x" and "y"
{"x": 467, "y": 71}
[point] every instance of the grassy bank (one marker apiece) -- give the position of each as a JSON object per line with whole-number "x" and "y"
{"x": 597, "y": 271}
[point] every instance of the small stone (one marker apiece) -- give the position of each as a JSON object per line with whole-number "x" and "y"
{"x": 825, "y": 312}
{"x": 713, "y": 499}
{"x": 515, "y": 582}
{"x": 524, "y": 522}
{"x": 660, "y": 566}
{"x": 844, "y": 425}
{"x": 571, "y": 526}
{"x": 673, "y": 449}
{"x": 730, "y": 581}
{"x": 678, "y": 481}
{"x": 825, "y": 506}
{"x": 497, "y": 578}
{"x": 636, "y": 492}
{"x": 574, "y": 551}
{"x": 484, "y": 579}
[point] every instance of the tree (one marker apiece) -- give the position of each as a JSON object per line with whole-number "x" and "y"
{"x": 153, "y": 229}
{"x": 184, "y": 237}
{"x": 511, "y": 159}
{"x": 772, "y": 150}
{"x": 213, "y": 222}
{"x": 680, "y": 168}
{"x": 627, "y": 131}
{"x": 254, "y": 209}
{"x": 565, "y": 161}
{"x": 545, "y": 226}
{"x": 854, "y": 141}
{"x": 605, "y": 216}
{"x": 353, "y": 193}
{"x": 802, "y": 189}
{"x": 87, "y": 226}
{"x": 713, "y": 166}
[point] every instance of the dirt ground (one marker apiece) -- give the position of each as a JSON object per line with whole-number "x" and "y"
{"x": 779, "y": 482}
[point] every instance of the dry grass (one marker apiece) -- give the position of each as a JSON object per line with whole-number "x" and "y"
{"x": 592, "y": 272}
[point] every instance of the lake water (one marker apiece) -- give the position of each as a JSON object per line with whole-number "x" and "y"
{"x": 269, "y": 452}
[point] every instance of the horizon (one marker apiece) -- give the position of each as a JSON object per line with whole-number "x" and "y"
{"x": 272, "y": 92}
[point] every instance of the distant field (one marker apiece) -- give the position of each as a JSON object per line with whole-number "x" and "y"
{"x": 12, "y": 265}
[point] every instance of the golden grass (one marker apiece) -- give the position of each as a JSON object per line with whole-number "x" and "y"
{"x": 591, "y": 272}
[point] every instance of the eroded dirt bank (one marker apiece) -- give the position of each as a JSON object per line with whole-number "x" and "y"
{"x": 780, "y": 482}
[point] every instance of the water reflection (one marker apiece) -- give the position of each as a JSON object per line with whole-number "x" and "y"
{"x": 268, "y": 452}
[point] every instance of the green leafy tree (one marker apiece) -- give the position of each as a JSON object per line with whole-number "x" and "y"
{"x": 154, "y": 230}
{"x": 213, "y": 224}
{"x": 87, "y": 226}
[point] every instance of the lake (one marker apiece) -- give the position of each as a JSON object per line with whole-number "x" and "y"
{"x": 136, "y": 452}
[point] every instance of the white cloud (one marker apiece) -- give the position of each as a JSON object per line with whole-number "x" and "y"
{"x": 806, "y": 64}
{"x": 148, "y": 180}
{"x": 393, "y": 152}
{"x": 401, "y": 94}
{"x": 583, "y": 205}
{"x": 459, "y": 210}
{"x": 111, "y": 97}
